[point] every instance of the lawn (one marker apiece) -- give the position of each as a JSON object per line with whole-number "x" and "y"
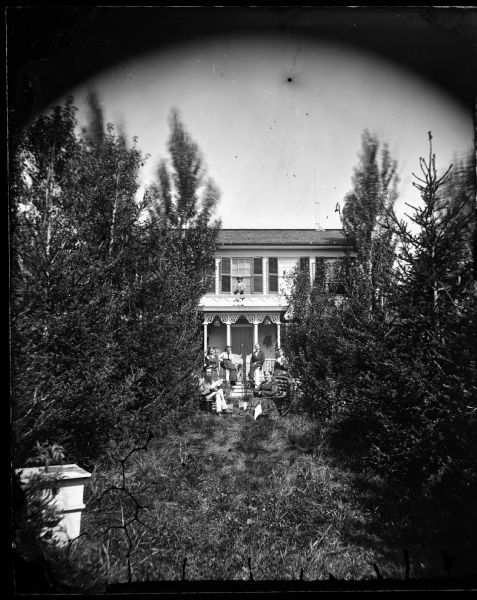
{"x": 230, "y": 498}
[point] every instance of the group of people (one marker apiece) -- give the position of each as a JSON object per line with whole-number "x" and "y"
{"x": 213, "y": 360}
{"x": 261, "y": 403}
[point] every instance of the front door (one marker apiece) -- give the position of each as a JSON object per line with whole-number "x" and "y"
{"x": 242, "y": 342}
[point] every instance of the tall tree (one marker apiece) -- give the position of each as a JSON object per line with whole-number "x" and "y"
{"x": 184, "y": 198}
{"x": 365, "y": 215}
{"x": 105, "y": 316}
{"x": 74, "y": 212}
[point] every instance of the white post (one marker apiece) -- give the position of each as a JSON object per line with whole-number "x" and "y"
{"x": 217, "y": 276}
{"x": 255, "y": 333}
{"x": 207, "y": 320}
{"x": 278, "y": 334}
{"x": 229, "y": 334}
{"x": 264, "y": 275}
{"x": 205, "y": 338}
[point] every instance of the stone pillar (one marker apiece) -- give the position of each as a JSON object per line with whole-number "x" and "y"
{"x": 207, "y": 321}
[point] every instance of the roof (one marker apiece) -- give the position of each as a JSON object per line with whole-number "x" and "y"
{"x": 282, "y": 237}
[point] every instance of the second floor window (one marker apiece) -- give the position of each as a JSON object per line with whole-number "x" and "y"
{"x": 249, "y": 269}
{"x": 273, "y": 275}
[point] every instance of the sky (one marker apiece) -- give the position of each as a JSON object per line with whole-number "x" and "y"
{"x": 278, "y": 116}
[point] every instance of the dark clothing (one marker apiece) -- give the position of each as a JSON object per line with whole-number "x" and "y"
{"x": 226, "y": 363}
{"x": 258, "y": 358}
{"x": 281, "y": 365}
{"x": 267, "y": 388}
{"x": 212, "y": 362}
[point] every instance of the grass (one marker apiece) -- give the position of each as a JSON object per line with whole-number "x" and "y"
{"x": 232, "y": 498}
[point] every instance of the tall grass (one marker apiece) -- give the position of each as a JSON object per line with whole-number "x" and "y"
{"x": 233, "y": 499}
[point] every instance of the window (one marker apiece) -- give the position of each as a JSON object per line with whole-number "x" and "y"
{"x": 249, "y": 269}
{"x": 330, "y": 273}
{"x": 225, "y": 274}
{"x": 257, "y": 276}
{"x": 273, "y": 275}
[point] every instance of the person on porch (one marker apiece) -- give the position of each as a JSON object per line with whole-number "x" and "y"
{"x": 281, "y": 363}
{"x": 211, "y": 364}
{"x": 256, "y": 362}
{"x": 240, "y": 287}
{"x": 227, "y": 364}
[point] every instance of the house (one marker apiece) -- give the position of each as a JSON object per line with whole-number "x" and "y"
{"x": 262, "y": 258}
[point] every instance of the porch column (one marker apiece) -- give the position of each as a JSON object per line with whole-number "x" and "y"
{"x": 276, "y": 319}
{"x": 228, "y": 320}
{"x": 265, "y": 275}
{"x": 207, "y": 320}
{"x": 255, "y": 319}
{"x": 217, "y": 276}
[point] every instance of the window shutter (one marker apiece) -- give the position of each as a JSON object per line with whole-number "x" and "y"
{"x": 257, "y": 276}
{"x": 272, "y": 275}
{"x": 320, "y": 275}
{"x": 225, "y": 274}
{"x": 305, "y": 264}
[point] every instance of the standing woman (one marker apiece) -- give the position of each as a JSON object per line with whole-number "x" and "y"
{"x": 281, "y": 363}
{"x": 256, "y": 362}
{"x": 228, "y": 365}
{"x": 211, "y": 364}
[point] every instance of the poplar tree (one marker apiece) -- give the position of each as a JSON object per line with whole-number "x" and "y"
{"x": 184, "y": 199}
{"x": 365, "y": 217}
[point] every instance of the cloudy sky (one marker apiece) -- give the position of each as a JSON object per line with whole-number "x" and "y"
{"x": 278, "y": 112}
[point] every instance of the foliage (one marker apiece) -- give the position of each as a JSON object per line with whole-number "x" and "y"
{"x": 104, "y": 300}
{"x": 47, "y": 454}
{"x": 365, "y": 216}
{"x": 393, "y": 381}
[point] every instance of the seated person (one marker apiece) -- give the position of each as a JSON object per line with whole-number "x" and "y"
{"x": 281, "y": 363}
{"x": 240, "y": 287}
{"x": 211, "y": 364}
{"x": 227, "y": 364}
{"x": 268, "y": 387}
{"x": 256, "y": 362}
{"x": 212, "y": 390}
{"x": 262, "y": 402}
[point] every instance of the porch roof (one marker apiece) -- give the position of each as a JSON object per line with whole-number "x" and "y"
{"x": 282, "y": 237}
{"x": 250, "y": 303}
